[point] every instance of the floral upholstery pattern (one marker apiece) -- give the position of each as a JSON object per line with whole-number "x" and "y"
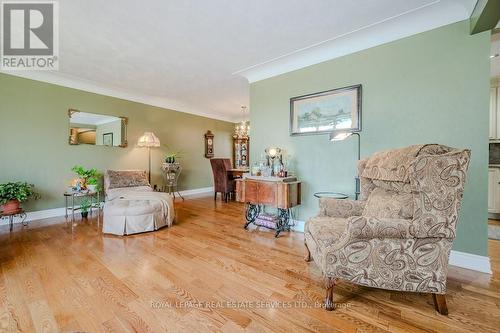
{"x": 127, "y": 178}
{"x": 402, "y": 238}
{"x": 340, "y": 207}
{"x": 392, "y": 204}
{"x": 394, "y": 165}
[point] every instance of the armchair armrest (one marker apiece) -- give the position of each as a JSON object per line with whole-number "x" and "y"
{"x": 341, "y": 207}
{"x": 366, "y": 227}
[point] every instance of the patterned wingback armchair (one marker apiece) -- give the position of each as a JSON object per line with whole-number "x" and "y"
{"x": 398, "y": 236}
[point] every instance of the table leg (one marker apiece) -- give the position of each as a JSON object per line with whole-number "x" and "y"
{"x": 98, "y": 209}
{"x": 283, "y": 221}
{"x": 72, "y": 210}
{"x": 91, "y": 204}
{"x": 251, "y": 214}
{"x": 179, "y": 193}
{"x": 23, "y": 217}
{"x": 66, "y": 202}
{"x": 11, "y": 222}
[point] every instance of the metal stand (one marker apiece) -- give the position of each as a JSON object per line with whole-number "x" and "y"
{"x": 253, "y": 211}
{"x": 92, "y": 195}
{"x": 21, "y": 214}
{"x": 171, "y": 173}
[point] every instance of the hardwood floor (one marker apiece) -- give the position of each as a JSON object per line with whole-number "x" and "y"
{"x": 53, "y": 279}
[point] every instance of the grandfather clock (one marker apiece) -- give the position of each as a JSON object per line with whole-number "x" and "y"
{"x": 209, "y": 144}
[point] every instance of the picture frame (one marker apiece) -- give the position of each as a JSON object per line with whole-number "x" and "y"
{"x": 107, "y": 139}
{"x": 327, "y": 111}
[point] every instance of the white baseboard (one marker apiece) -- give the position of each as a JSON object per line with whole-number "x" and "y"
{"x": 196, "y": 191}
{"x": 298, "y": 225}
{"x": 57, "y": 212}
{"x": 470, "y": 261}
{"x": 457, "y": 258}
{"x": 38, "y": 215}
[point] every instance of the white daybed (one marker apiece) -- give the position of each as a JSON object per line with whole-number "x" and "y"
{"x": 132, "y": 206}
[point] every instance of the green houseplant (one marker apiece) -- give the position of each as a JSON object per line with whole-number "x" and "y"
{"x": 85, "y": 206}
{"x": 85, "y": 174}
{"x": 94, "y": 182}
{"x": 171, "y": 157}
{"x": 13, "y": 194}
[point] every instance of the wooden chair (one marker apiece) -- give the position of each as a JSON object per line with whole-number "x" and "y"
{"x": 223, "y": 181}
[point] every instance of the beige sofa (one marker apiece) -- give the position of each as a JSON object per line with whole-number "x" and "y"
{"x": 398, "y": 236}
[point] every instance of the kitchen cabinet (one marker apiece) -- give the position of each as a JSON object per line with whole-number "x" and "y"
{"x": 494, "y": 114}
{"x": 493, "y": 190}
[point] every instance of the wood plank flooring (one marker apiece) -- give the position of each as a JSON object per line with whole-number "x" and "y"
{"x": 207, "y": 274}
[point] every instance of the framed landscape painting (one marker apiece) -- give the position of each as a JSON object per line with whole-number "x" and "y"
{"x": 326, "y": 112}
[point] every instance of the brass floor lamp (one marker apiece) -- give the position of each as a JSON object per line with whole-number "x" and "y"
{"x": 340, "y": 136}
{"x": 149, "y": 140}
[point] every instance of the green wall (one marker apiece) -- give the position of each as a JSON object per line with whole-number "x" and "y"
{"x": 34, "y": 138}
{"x": 428, "y": 88}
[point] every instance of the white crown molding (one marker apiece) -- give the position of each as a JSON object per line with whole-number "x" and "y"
{"x": 64, "y": 80}
{"x": 457, "y": 258}
{"x": 430, "y": 16}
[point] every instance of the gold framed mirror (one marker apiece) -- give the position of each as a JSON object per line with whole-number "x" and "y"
{"x": 87, "y": 128}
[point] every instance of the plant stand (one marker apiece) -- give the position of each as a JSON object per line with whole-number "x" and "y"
{"x": 10, "y": 216}
{"x": 95, "y": 202}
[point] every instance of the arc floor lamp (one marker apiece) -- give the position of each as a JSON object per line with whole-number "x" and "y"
{"x": 149, "y": 140}
{"x": 341, "y": 136}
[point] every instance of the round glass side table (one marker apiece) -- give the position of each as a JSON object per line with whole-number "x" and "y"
{"x": 334, "y": 195}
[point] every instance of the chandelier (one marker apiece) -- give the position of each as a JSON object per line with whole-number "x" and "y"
{"x": 242, "y": 129}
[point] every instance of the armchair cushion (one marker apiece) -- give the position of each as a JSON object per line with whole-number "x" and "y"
{"x": 340, "y": 207}
{"x": 327, "y": 229}
{"x": 383, "y": 203}
{"x": 364, "y": 227}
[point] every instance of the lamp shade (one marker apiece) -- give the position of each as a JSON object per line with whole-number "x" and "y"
{"x": 148, "y": 139}
{"x": 339, "y": 136}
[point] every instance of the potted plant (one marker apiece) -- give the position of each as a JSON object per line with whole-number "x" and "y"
{"x": 13, "y": 194}
{"x": 85, "y": 206}
{"x": 93, "y": 182}
{"x": 170, "y": 157}
{"x": 84, "y": 174}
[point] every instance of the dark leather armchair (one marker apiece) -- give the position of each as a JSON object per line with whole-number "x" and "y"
{"x": 223, "y": 181}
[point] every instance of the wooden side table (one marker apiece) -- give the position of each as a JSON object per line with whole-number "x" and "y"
{"x": 10, "y": 216}
{"x": 258, "y": 192}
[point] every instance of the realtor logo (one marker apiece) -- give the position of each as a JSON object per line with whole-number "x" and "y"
{"x": 29, "y": 35}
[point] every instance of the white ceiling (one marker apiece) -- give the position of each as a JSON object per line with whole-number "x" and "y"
{"x": 184, "y": 54}
{"x": 91, "y": 118}
{"x": 495, "y": 49}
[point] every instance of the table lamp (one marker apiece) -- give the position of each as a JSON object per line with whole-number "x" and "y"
{"x": 342, "y": 135}
{"x": 149, "y": 140}
{"x": 272, "y": 153}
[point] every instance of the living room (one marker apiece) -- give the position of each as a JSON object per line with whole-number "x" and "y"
{"x": 172, "y": 164}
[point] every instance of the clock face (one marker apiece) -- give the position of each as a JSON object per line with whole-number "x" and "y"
{"x": 209, "y": 141}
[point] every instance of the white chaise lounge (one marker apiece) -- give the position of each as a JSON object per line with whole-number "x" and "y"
{"x": 132, "y": 206}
